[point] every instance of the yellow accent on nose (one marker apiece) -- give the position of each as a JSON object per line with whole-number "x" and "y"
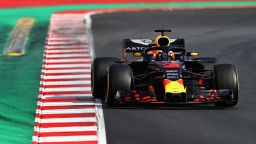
{"x": 174, "y": 87}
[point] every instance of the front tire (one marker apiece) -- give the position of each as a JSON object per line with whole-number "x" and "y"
{"x": 99, "y": 75}
{"x": 119, "y": 77}
{"x": 226, "y": 77}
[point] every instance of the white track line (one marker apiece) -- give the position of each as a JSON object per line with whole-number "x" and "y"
{"x": 66, "y": 55}
{"x": 68, "y": 111}
{"x": 67, "y": 138}
{"x": 68, "y": 96}
{"x": 67, "y": 60}
{"x": 66, "y": 71}
{"x": 85, "y": 39}
{"x": 60, "y": 18}
{"x": 65, "y": 42}
{"x": 68, "y": 103}
{"x": 66, "y": 51}
{"x": 69, "y": 129}
{"x": 67, "y": 89}
{"x": 68, "y": 46}
{"x": 67, "y": 83}
{"x": 66, "y": 120}
{"x": 67, "y": 76}
{"x": 78, "y": 97}
{"x": 48, "y": 65}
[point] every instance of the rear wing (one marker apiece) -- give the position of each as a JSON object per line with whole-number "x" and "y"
{"x": 137, "y": 45}
{"x": 140, "y": 45}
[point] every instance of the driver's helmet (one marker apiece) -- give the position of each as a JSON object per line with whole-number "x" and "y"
{"x": 162, "y": 56}
{"x": 159, "y": 55}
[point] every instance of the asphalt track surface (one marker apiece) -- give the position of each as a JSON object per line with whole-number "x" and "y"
{"x": 228, "y": 35}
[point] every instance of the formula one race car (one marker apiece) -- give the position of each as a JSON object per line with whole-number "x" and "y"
{"x": 163, "y": 72}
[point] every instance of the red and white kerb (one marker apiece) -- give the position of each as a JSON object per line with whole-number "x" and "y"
{"x": 66, "y": 110}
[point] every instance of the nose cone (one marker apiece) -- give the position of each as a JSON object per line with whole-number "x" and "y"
{"x": 174, "y": 86}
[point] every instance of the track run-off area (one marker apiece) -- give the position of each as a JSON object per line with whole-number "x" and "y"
{"x": 67, "y": 113}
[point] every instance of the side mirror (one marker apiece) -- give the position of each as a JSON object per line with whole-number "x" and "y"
{"x": 192, "y": 54}
{"x": 137, "y": 54}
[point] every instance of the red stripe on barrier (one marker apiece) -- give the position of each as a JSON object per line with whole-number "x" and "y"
{"x": 68, "y": 44}
{"x": 67, "y": 124}
{"x": 67, "y": 49}
{"x": 65, "y": 38}
{"x": 76, "y": 142}
{"x": 66, "y": 99}
{"x": 67, "y": 68}
{"x": 78, "y": 133}
{"x": 49, "y": 116}
{"x": 66, "y": 107}
{"x": 70, "y": 79}
{"x": 65, "y": 86}
{"x": 71, "y": 73}
{"x": 56, "y": 63}
{"x": 79, "y": 57}
{"x": 66, "y": 92}
{"x": 53, "y": 35}
{"x": 60, "y": 53}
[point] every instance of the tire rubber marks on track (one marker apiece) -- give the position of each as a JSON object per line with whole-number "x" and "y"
{"x": 66, "y": 111}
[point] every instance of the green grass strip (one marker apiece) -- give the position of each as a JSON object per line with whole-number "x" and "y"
{"x": 19, "y": 84}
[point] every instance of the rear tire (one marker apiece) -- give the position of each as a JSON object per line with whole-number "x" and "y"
{"x": 99, "y": 75}
{"x": 119, "y": 77}
{"x": 226, "y": 77}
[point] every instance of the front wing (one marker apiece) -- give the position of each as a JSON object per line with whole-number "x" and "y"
{"x": 205, "y": 96}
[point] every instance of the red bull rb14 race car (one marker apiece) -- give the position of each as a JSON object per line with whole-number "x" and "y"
{"x": 161, "y": 71}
